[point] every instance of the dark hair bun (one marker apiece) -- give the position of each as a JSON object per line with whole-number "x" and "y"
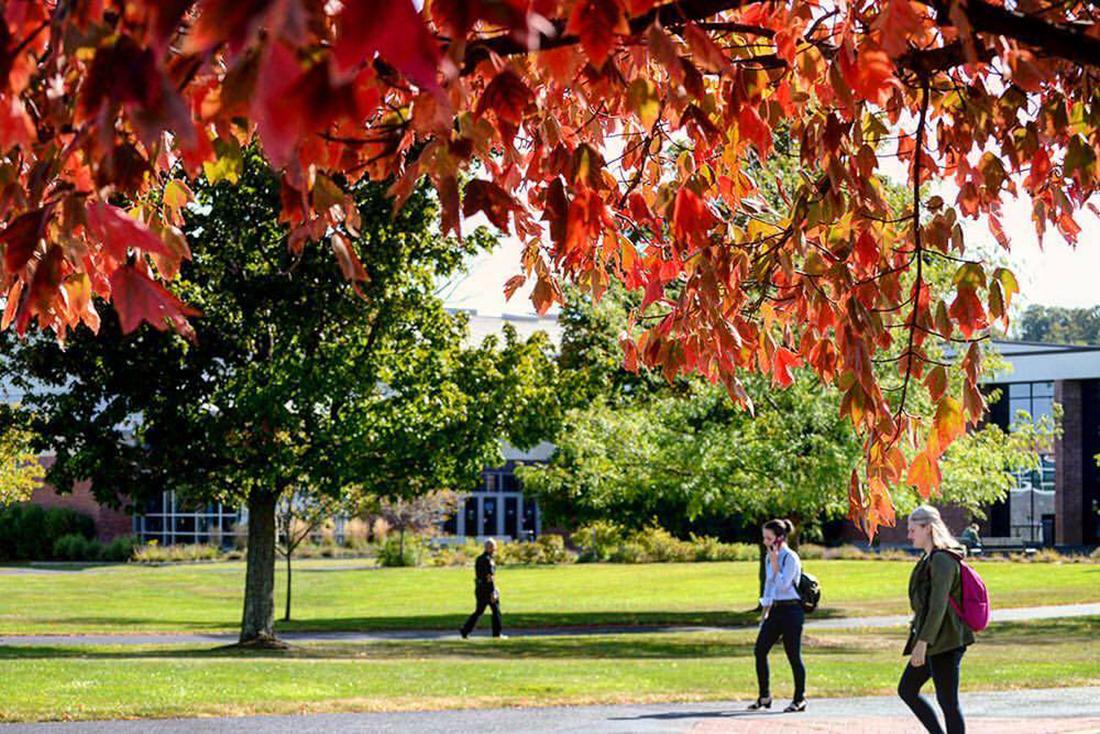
{"x": 780, "y": 526}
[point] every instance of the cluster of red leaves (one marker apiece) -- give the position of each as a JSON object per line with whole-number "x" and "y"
{"x": 614, "y": 138}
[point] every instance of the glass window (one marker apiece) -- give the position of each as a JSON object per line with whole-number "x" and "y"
{"x": 1042, "y": 389}
{"x": 1019, "y": 390}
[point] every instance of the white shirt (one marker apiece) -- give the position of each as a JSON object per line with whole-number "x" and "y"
{"x": 783, "y": 585}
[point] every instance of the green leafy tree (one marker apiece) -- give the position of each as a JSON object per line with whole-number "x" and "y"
{"x": 1060, "y": 325}
{"x": 21, "y": 472}
{"x": 298, "y": 379}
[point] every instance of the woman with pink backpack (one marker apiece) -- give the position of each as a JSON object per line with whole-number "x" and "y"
{"x": 949, "y": 604}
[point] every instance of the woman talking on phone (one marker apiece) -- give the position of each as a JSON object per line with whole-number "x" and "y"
{"x": 783, "y": 614}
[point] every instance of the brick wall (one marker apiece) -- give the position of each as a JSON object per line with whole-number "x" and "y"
{"x": 956, "y": 519}
{"x": 109, "y": 523}
{"x": 1069, "y": 466}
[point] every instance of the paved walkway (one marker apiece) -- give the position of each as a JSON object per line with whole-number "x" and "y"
{"x": 1061, "y": 711}
{"x": 300, "y": 638}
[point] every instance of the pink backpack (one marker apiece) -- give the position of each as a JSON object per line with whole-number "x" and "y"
{"x": 974, "y": 610}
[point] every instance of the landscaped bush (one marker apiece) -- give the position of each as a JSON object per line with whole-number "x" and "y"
{"x": 29, "y": 532}
{"x": 392, "y": 554}
{"x": 712, "y": 549}
{"x": 119, "y": 550}
{"x": 847, "y": 553}
{"x": 811, "y": 552}
{"x": 152, "y": 552}
{"x": 75, "y": 547}
{"x": 597, "y": 540}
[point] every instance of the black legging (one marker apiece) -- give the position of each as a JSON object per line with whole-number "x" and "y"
{"x": 943, "y": 669}
{"x": 783, "y": 621}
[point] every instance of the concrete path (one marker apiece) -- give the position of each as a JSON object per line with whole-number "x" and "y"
{"x": 1061, "y": 711}
{"x": 301, "y": 638}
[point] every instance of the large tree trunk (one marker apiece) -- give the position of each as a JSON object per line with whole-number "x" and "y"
{"x": 258, "y": 621}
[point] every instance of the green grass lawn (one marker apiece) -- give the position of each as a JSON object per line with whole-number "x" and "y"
{"x": 328, "y": 595}
{"x": 107, "y": 682}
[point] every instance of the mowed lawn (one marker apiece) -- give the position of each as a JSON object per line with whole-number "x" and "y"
{"x": 109, "y": 682}
{"x": 349, "y": 595}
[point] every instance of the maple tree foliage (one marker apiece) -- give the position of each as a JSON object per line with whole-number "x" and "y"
{"x": 613, "y": 137}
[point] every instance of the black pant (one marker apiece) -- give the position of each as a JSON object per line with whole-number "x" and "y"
{"x": 484, "y": 599}
{"x": 783, "y": 621}
{"x": 943, "y": 669}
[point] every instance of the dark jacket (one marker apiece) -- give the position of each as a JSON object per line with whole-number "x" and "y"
{"x": 485, "y": 569}
{"x": 933, "y": 580}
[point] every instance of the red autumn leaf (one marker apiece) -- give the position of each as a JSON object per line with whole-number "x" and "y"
{"x": 392, "y": 29}
{"x": 120, "y": 232}
{"x": 704, "y": 51}
{"x": 220, "y": 21}
{"x": 21, "y": 238}
{"x": 138, "y": 298}
{"x": 866, "y": 250}
{"x": 898, "y": 23}
{"x": 507, "y": 96}
{"x": 967, "y": 312}
{"x": 487, "y": 197}
{"x": 691, "y": 219}
{"x": 597, "y": 22}
{"x": 349, "y": 262}
{"x": 630, "y": 352}
{"x": 514, "y": 283}
{"x": 782, "y": 363}
{"x": 936, "y": 382}
{"x": 753, "y": 128}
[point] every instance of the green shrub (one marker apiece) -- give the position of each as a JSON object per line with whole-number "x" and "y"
{"x": 153, "y": 552}
{"x": 1095, "y": 555}
{"x": 597, "y": 540}
{"x": 391, "y": 553}
{"x": 75, "y": 547}
{"x": 119, "y": 550}
{"x": 551, "y": 549}
{"x": 662, "y": 546}
{"x": 712, "y": 549}
{"x": 29, "y": 532}
{"x": 846, "y": 553}
{"x": 629, "y": 551}
{"x": 811, "y": 552}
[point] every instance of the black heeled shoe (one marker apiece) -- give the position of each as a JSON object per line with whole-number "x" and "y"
{"x": 761, "y": 703}
{"x": 795, "y": 707}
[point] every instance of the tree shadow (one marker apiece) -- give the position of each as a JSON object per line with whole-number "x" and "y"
{"x": 566, "y": 621}
{"x": 622, "y": 647}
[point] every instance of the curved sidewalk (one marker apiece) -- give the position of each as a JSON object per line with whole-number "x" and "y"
{"x": 155, "y": 638}
{"x": 1044, "y": 711}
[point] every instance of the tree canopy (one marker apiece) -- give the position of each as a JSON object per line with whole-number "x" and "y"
{"x": 297, "y": 381}
{"x": 1060, "y": 325}
{"x": 613, "y": 137}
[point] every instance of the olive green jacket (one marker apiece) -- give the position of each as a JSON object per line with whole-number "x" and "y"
{"x": 934, "y": 578}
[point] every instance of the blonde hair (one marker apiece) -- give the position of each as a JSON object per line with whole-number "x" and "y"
{"x": 929, "y": 516}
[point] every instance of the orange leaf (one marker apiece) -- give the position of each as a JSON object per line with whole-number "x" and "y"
{"x": 487, "y": 197}
{"x": 967, "y": 312}
{"x": 138, "y": 298}
{"x": 514, "y": 283}
{"x": 924, "y": 474}
{"x": 507, "y": 96}
{"x": 949, "y": 423}
{"x": 597, "y": 22}
{"x": 21, "y": 238}
{"x": 392, "y": 29}
{"x": 119, "y": 232}
{"x": 782, "y": 362}
{"x": 348, "y": 259}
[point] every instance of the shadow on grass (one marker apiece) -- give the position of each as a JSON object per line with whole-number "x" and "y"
{"x": 533, "y": 620}
{"x": 571, "y": 648}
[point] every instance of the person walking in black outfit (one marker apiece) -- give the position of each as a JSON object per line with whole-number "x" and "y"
{"x": 485, "y": 591}
{"x": 783, "y": 615}
{"x": 938, "y": 637}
